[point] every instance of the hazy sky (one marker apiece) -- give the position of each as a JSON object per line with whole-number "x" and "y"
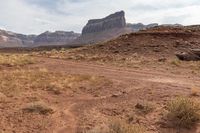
{"x": 36, "y": 16}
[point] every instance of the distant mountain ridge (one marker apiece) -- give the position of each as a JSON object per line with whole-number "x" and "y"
{"x": 55, "y": 38}
{"x": 10, "y": 39}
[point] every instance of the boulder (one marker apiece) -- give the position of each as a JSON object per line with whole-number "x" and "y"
{"x": 188, "y": 56}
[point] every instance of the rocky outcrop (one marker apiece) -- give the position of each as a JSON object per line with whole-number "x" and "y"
{"x": 191, "y": 55}
{"x": 55, "y": 38}
{"x": 116, "y": 20}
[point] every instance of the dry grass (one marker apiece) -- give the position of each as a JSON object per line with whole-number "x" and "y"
{"x": 15, "y": 82}
{"x": 176, "y": 62}
{"x": 15, "y": 59}
{"x": 183, "y": 112}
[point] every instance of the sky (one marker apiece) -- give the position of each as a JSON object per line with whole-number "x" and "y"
{"x": 37, "y": 16}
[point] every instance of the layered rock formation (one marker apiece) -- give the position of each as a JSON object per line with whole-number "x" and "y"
{"x": 55, "y": 38}
{"x": 116, "y": 20}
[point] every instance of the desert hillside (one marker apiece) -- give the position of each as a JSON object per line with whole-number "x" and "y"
{"x": 162, "y": 41}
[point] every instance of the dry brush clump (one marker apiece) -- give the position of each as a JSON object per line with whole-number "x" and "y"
{"x": 176, "y": 62}
{"x": 183, "y": 112}
{"x": 144, "y": 107}
{"x": 122, "y": 127}
{"x": 38, "y": 107}
{"x": 119, "y": 126}
{"x": 15, "y": 59}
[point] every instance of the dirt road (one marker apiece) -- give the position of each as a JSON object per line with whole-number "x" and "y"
{"x": 120, "y": 74}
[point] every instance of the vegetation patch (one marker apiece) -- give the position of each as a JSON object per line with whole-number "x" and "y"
{"x": 183, "y": 112}
{"x": 119, "y": 126}
{"x": 122, "y": 127}
{"x": 15, "y": 82}
{"x": 38, "y": 107}
{"x": 15, "y": 59}
{"x": 144, "y": 107}
{"x": 176, "y": 62}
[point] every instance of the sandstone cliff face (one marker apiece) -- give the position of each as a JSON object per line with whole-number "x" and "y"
{"x": 116, "y": 20}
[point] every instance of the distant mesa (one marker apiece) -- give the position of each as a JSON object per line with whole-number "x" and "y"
{"x": 100, "y": 30}
{"x": 112, "y": 26}
{"x": 116, "y": 20}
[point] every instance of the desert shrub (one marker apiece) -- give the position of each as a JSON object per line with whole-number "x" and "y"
{"x": 37, "y": 107}
{"x": 175, "y": 62}
{"x": 121, "y": 127}
{"x": 96, "y": 130}
{"x": 183, "y": 112}
{"x": 144, "y": 107}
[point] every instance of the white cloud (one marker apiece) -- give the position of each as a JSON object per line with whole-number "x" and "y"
{"x": 36, "y": 16}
